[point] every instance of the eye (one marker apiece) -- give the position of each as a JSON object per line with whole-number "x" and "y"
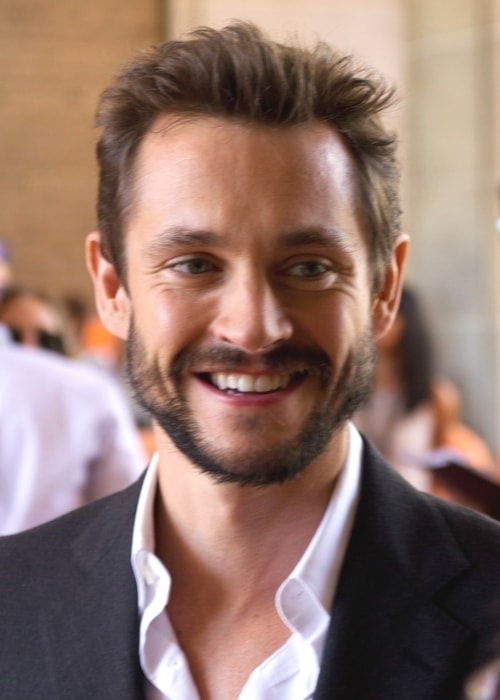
{"x": 310, "y": 274}
{"x": 192, "y": 266}
{"x": 308, "y": 269}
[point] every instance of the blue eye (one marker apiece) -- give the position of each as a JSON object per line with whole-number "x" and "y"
{"x": 193, "y": 266}
{"x": 310, "y": 274}
{"x": 311, "y": 268}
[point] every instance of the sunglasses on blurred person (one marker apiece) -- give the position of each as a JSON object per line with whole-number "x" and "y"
{"x": 38, "y": 338}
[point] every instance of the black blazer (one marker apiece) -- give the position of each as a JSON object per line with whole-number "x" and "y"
{"x": 415, "y": 609}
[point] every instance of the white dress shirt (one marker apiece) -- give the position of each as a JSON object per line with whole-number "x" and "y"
{"x": 303, "y": 600}
{"x": 66, "y": 437}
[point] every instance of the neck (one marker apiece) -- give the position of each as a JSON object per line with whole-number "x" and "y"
{"x": 233, "y": 538}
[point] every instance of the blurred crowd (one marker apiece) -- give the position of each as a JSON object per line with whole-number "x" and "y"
{"x": 71, "y": 432}
{"x": 414, "y": 418}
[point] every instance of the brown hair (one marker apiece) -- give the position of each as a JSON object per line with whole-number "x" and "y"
{"x": 238, "y": 72}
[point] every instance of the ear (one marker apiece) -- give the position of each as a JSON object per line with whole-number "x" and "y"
{"x": 386, "y": 301}
{"x": 111, "y": 298}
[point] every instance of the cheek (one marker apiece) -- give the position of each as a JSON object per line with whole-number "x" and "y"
{"x": 166, "y": 323}
{"x": 334, "y": 325}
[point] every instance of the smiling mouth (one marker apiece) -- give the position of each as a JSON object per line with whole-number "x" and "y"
{"x": 234, "y": 383}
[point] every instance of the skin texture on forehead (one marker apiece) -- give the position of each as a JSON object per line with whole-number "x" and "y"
{"x": 194, "y": 137}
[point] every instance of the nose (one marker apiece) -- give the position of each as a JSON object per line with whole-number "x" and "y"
{"x": 250, "y": 316}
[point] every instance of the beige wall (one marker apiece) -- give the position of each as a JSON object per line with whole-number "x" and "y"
{"x": 451, "y": 183}
{"x": 372, "y": 29}
{"x": 57, "y": 55}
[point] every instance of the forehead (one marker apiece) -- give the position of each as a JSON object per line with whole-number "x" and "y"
{"x": 207, "y": 171}
{"x": 194, "y": 141}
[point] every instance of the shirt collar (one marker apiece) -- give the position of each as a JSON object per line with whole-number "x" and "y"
{"x": 304, "y": 598}
{"x": 143, "y": 537}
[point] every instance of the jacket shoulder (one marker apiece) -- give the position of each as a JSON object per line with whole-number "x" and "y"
{"x": 80, "y": 537}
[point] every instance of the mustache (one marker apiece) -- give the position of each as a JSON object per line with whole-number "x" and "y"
{"x": 286, "y": 359}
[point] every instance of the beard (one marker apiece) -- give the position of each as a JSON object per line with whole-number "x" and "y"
{"x": 262, "y": 465}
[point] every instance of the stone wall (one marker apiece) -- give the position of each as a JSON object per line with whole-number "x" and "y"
{"x": 57, "y": 55}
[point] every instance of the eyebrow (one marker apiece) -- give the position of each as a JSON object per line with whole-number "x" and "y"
{"x": 318, "y": 236}
{"x": 182, "y": 236}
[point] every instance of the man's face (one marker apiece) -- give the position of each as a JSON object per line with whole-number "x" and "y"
{"x": 251, "y": 336}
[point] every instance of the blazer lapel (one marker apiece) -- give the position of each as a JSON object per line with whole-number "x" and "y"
{"x": 99, "y": 600}
{"x": 386, "y": 628}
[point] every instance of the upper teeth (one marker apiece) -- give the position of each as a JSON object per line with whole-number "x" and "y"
{"x": 247, "y": 383}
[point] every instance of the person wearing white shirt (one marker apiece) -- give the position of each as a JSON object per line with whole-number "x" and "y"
{"x": 249, "y": 251}
{"x": 66, "y": 437}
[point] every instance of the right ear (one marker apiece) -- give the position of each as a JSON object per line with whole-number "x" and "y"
{"x": 111, "y": 298}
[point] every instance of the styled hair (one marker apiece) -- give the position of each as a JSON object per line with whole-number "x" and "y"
{"x": 239, "y": 73}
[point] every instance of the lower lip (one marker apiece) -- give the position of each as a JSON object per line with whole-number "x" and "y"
{"x": 255, "y": 399}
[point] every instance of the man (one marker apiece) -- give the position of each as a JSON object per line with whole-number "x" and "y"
{"x": 66, "y": 437}
{"x": 249, "y": 250}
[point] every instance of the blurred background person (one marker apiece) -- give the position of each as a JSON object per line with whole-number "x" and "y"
{"x": 5, "y": 269}
{"x": 66, "y": 437}
{"x": 414, "y": 416}
{"x": 454, "y": 480}
{"x": 76, "y": 313}
{"x": 33, "y": 319}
